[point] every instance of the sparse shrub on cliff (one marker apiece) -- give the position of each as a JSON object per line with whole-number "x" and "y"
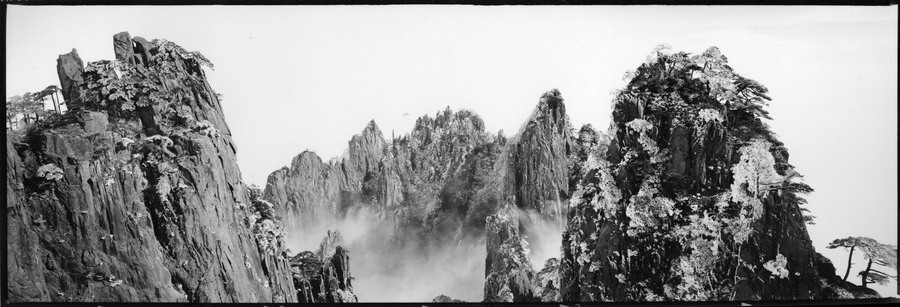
{"x": 50, "y": 172}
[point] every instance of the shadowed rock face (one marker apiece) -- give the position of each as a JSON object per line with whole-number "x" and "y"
{"x": 546, "y": 281}
{"x": 324, "y": 276}
{"x": 134, "y": 194}
{"x": 123, "y": 47}
{"x": 835, "y": 288}
{"x": 537, "y": 169}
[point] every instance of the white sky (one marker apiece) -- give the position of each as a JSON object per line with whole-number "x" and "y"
{"x": 310, "y": 77}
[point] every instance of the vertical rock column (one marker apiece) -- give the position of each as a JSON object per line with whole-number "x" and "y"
{"x": 70, "y": 69}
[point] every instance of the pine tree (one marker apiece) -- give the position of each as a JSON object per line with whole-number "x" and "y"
{"x": 877, "y": 253}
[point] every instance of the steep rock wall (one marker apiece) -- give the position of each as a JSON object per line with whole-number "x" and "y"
{"x": 508, "y": 273}
{"x": 134, "y": 194}
{"x": 693, "y": 198}
{"x": 324, "y": 276}
{"x": 537, "y": 173}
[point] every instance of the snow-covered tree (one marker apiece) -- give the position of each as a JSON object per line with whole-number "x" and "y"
{"x": 754, "y": 174}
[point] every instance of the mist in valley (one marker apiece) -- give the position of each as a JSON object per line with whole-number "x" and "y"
{"x": 386, "y": 272}
{"x": 543, "y": 233}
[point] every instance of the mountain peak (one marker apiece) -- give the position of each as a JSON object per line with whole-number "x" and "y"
{"x": 372, "y": 125}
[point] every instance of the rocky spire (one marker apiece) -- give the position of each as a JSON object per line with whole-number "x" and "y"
{"x": 70, "y": 69}
{"x": 324, "y": 276}
{"x": 537, "y": 158}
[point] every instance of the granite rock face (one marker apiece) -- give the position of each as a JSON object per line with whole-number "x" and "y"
{"x": 508, "y": 273}
{"x": 537, "y": 173}
{"x": 134, "y": 195}
{"x": 324, "y": 276}
{"x": 692, "y": 199}
{"x": 546, "y": 281}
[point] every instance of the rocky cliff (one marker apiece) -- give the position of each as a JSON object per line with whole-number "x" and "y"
{"x": 693, "y": 199}
{"x": 324, "y": 276}
{"x": 134, "y": 194}
{"x": 537, "y": 158}
{"x": 509, "y": 276}
{"x": 508, "y": 273}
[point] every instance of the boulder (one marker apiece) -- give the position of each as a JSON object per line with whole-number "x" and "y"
{"x": 70, "y": 70}
{"x": 142, "y": 50}
{"x": 123, "y": 47}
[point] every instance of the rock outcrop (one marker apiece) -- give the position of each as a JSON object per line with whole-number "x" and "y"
{"x": 546, "y": 281}
{"x": 508, "y": 273}
{"x": 70, "y": 69}
{"x": 834, "y": 287}
{"x": 537, "y": 174}
{"x": 134, "y": 195}
{"x": 692, "y": 200}
{"x": 324, "y": 276}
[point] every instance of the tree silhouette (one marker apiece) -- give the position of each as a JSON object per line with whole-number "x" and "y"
{"x": 50, "y": 91}
{"x": 877, "y": 253}
{"x": 883, "y": 255}
{"x": 31, "y": 106}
